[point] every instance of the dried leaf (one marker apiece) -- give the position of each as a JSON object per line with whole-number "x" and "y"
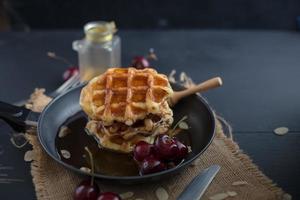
{"x": 126, "y": 195}
{"x": 183, "y": 125}
{"x": 219, "y": 196}
{"x": 161, "y": 194}
{"x": 281, "y": 130}
{"x": 85, "y": 169}
{"x": 236, "y": 183}
{"x": 231, "y": 193}
{"x": 65, "y": 153}
{"x": 63, "y": 131}
{"x": 28, "y": 156}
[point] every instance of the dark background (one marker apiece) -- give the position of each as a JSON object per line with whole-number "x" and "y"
{"x": 154, "y": 14}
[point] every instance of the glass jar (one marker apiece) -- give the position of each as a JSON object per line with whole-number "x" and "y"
{"x": 99, "y": 50}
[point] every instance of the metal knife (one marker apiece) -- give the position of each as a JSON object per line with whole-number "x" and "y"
{"x": 199, "y": 184}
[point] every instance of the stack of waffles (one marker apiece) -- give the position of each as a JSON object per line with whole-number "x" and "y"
{"x": 125, "y": 106}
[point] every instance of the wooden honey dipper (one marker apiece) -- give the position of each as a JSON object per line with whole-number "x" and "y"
{"x": 202, "y": 87}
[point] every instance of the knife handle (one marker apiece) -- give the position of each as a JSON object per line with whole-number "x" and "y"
{"x": 15, "y": 116}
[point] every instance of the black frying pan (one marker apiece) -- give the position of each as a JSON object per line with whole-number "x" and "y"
{"x": 200, "y": 119}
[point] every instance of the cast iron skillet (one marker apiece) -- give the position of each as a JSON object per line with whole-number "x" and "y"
{"x": 200, "y": 119}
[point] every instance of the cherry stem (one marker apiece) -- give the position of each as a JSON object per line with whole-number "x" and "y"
{"x": 92, "y": 164}
{"x": 56, "y": 57}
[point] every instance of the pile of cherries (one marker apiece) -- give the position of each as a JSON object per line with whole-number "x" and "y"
{"x": 165, "y": 153}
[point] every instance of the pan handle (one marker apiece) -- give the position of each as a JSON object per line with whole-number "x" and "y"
{"x": 15, "y": 116}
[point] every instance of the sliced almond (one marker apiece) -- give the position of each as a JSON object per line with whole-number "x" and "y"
{"x": 281, "y": 130}
{"x": 182, "y": 76}
{"x": 161, "y": 194}
{"x": 85, "y": 169}
{"x": 231, "y": 193}
{"x": 287, "y": 196}
{"x": 236, "y": 183}
{"x": 189, "y": 148}
{"x": 28, "y": 156}
{"x": 219, "y": 196}
{"x": 65, "y": 153}
{"x": 183, "y": 125}
{"x": 171, "y": 76}
{"x": 126, "y": 195}
{"x": 63, "y": 131}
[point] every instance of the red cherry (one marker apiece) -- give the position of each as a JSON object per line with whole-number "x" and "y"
{"x": 183, "y": 150}
{"x": 140, "y": 62}
{"x": 166, "y": 148}
{"x": 142, "y": 150}
{"x": 151, "y": 164}
{"x": 70, "y": 72}
{"x": 108, "y": 196}
{"x": 86, "y": 191}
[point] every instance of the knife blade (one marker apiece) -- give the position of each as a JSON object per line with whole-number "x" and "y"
{"x": 199, "y": 184}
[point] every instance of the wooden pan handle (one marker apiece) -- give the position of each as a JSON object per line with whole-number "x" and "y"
{"x": 202, "y": 87}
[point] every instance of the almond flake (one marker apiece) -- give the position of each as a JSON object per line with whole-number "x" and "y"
{"x": 172, "y": 76}
{"x": 287, "y": 196}
{"x": 231, "y": 193}
{"x": 126, "y": 195}
{"x": 236, "y": 183}
{"x": 28, "y": 156}
{"x": 183, "y": 125}
{"x": 161, "y": 194}
{"x": 189, "y": 148}
{"x": 66, "y": 154}
{"x": 281, "y": 130}
{"x": 63, "y": 131}
{"x": 219, "y": 196}
{"x": 183, "y": 76}
{"x": 85, "y": 169}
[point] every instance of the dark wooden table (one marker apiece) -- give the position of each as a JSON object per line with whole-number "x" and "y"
{"x": 261, "y": 92}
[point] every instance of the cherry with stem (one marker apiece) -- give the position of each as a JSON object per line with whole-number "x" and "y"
{"x": 87, "y": 189}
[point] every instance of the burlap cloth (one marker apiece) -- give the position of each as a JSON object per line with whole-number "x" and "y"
{"x": 52, "y": 181}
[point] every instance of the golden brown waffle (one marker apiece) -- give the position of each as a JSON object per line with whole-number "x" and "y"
{"x": 126, "y": 95}
{"x": 114, "y": 141}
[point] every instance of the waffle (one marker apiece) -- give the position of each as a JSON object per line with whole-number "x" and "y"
{"x": 126, "y": 95}
{"x": 125, "y": 106}
{"x": 118, "y": 142}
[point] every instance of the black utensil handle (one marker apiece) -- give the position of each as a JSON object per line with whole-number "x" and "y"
{"x": 15, "y": 116}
